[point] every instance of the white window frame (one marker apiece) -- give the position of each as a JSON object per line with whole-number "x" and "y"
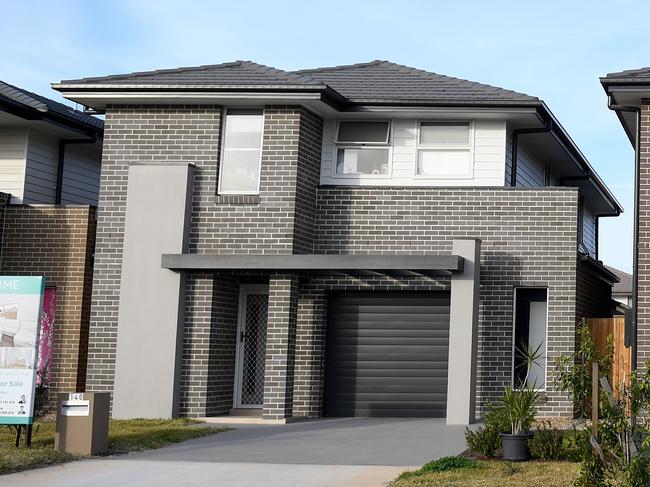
{"x": 388, "y": 145}
{"x": 368, "y": 120}
{"x": 223, "y": 148}
{"x": 442, "y": 148}
{"x": 514, "y": 326}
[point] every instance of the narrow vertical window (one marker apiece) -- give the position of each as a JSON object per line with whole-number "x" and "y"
{"x": 241, "y": 155}
{"x": 530, "y": 337}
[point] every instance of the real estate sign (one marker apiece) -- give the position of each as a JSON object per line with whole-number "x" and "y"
{"x": 20, "y": 308}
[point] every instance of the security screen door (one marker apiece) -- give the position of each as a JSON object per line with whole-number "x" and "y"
{"x": 251, "y": 346}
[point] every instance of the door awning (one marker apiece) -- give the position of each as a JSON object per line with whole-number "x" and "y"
{"x": 315, "y": 263}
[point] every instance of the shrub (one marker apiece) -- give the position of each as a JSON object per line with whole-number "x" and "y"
{"x": 485, "y": 440}
{"x": 448, "y": 463}
{"x": 442, "y": 465}
{"x": 577, "y": 445}
{"x": 547, "y": 443}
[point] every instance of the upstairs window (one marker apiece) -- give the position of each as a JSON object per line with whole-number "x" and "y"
{"x": 362, "y": 148}
{"x": 241, "y": 156}
{"x": 444, "y": 150}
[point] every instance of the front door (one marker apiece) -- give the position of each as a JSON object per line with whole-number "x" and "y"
{"x": 251, "y": 346}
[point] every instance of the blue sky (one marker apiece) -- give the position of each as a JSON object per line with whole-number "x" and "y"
{"x": 553, "y": 50}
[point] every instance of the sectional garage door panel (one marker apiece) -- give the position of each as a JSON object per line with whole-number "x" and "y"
{"x": 387, "y": 354}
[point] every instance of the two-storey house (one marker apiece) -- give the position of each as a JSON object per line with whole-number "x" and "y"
{"x": 363, "y": 240}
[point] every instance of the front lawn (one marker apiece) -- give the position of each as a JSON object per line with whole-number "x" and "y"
{"x": 494, "y": 474}
{"x": 124, "y": 436}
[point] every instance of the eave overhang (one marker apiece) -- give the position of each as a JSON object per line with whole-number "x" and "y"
{"x": 27, "y": 112}
{"x": 629, "y": 93}
{"x": 562, "y": 137}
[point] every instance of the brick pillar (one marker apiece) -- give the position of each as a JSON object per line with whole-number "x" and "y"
{"x": 280, "y": 346}
{"x": 310, "y": 353}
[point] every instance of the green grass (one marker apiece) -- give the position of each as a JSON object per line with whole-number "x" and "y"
{"x": 493, "y": 474}
{"x": 124, "y": 436}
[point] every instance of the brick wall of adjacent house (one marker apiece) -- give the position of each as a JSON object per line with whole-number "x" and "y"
{"x": 57, "y": 242}
{"x": 528, "y": 239}
{"x": 643, "y": 305}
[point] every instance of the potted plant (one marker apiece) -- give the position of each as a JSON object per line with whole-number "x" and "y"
{"x": 519, "y": 405}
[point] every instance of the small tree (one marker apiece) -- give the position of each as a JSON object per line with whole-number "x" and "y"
{"x": 621, "y": 450}
{"x": 572, "y": 372}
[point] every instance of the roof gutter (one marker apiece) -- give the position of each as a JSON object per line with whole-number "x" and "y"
{"x": 635, "y": 253}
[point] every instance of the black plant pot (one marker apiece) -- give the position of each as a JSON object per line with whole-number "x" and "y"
{"x": 515, "y": 447}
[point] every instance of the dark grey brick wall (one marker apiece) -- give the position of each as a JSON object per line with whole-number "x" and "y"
{"x": 134, "y": 134}
{"x": 268, "y": 224}
{"x": 307, "y": 179}
{"x": 271, "y": 223}
{"x": 280, "y": 346}
{"x": 209, "y": 340}
{"x": 529, "y": 239}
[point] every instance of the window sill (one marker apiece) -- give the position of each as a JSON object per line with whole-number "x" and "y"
{"x": 237, "y": 199}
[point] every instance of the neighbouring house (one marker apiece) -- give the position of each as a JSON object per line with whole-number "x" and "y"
{"x": 50, "y": 156}
{"x": 622, "y": 290}
{"x": 628, "y": 94}
{"x": 363, "y": 240}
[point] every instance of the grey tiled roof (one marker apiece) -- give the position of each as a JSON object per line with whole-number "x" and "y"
{"x": 378, "y": 81}
{"x": 383, "y": 80}
{"x": 629, "y": 75}
{"x": 40, "y": 103}
{"x": 624, "y": 286}
{"x": 237, "y": 73}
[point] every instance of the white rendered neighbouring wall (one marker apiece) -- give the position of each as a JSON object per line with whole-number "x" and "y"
{"x": 488, "y": 157}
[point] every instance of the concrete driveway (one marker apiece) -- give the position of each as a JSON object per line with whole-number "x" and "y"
{"x": 331, "y": 452}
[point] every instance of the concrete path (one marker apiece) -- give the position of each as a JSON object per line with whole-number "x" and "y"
{"x": 336, "y": 452}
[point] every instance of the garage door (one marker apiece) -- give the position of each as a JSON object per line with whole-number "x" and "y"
{"x": 387, "y": 354}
